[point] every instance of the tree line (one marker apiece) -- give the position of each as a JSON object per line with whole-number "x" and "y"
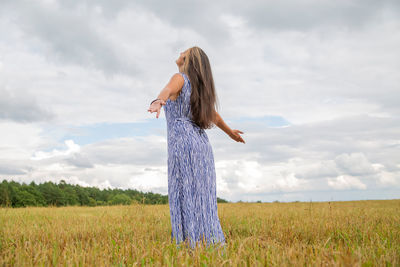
{"x": 14, "y": 194}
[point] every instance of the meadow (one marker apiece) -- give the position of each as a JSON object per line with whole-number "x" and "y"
{"x": 339, "y": 233}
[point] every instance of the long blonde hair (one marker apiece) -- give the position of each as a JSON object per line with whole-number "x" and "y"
{"x": 203, "y": 99}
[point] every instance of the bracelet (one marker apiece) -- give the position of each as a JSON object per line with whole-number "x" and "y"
{"x": 154, "y": 100}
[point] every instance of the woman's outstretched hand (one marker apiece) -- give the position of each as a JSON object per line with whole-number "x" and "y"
{"x": 236, "y": 136}
{"x": 156, "y": 107}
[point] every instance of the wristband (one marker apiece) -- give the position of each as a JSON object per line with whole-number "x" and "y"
{"x": 154, "y": 100}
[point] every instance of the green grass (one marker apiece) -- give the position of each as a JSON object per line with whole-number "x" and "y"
{"x": 348, "y": 233}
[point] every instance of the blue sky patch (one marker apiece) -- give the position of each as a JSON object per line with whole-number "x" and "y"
{"x": 93, "y": 133}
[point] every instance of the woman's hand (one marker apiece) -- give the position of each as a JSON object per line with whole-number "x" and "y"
{"x": 156, "y": 107}
{"x": 236, "y": 136}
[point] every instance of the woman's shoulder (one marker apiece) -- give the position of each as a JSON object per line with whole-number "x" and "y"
{"x": 185, "y": 77}
{"x": 179, "y": 76}
{"x": 182, "y": 74}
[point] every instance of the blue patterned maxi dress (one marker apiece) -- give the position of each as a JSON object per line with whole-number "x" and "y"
{"x": 191, "y": 176}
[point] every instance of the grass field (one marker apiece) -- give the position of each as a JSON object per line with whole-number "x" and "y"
{"x": 348, "y": 233}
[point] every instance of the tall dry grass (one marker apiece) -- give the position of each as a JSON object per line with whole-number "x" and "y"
{"x": 348, "y": 233}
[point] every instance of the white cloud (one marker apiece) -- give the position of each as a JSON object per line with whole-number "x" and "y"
{"x": 19, "y": 140}
{"x": 346, "y": 182}
{"x": 389, "y": 178}
{"x": 289, "y": 182}
{"x": 354, "y": 164}
{"x": 72, "y": 148}
{"x": 236, "y": 178}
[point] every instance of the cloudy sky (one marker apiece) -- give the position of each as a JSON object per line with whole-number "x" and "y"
{"x": 314, "y": 85}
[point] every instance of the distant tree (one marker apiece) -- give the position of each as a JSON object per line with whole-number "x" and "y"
{"x": 14, "y": 194}
{"x": 82, "y": 195}
{"x": 5, "y": 198}
{"x": 33, "y": 189}
{"x": 12, "y": 188}
{"x": 52, "y": 194}
{"x": 62, "y": 184}
{"x": 25, "y": 199}
{"x": 71, "y": 196}
{"x": 92, "y": 202}
{"x": 220, "y": 200}
{"x": 121, "y": 199}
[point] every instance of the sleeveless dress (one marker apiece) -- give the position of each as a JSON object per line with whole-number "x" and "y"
{"x": 192, "y": 192}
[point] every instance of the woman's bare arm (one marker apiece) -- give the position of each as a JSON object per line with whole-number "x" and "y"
{"x": 221, "y": 124}
{"x": 173, "y": 87}
{"x": 234, "y": 134}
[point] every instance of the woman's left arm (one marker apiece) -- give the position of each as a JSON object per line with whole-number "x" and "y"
{"x": 173, "y": 87}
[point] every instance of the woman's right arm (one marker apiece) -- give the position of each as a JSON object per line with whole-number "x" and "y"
{"x": 234, "y": 134}
{"x": 221, "y": 124}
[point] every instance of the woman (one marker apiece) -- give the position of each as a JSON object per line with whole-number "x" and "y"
{"x": 189, "y": 104}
